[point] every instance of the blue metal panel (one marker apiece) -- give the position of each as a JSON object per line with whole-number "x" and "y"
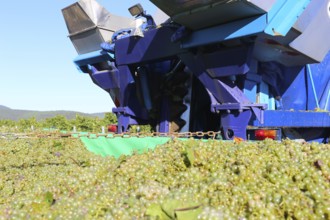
{"x": 294, "y": 85}
{"x": 227, "y": 62}
{"x": 312, "y": 99}
{"x": 282, "y": 21}
{"x": 294, "y": 119}
{"x": 221, "y": 91}
{"x": 252, "y": 80}
{"x": 263, "y": 96}
{"x": 246, "y": 27}
{"x": 293, "y": 89}
{"x": 107, "y": 79}
{"x": 126, "y": 82}
{"x": 301, "y": 87}
{"x": 284, "y": 82}
{"x": 250, "y": 90}
{"x": 154, "y": 46}
{"x": 321, "y": 76}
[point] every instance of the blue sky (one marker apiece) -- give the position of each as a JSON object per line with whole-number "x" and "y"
{"x": 36, "y": 68}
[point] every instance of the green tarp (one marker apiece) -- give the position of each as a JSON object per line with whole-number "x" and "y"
{"x": 117, "y": 146}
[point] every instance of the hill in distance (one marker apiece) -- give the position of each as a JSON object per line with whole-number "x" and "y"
{"x": 15, "y": 114}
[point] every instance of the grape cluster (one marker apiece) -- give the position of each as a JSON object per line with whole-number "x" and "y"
{"x": 190, "y": 179}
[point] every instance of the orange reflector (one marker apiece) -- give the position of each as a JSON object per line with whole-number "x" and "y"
{"x": 238, "y": 140}
{"x": 263, "y": 134}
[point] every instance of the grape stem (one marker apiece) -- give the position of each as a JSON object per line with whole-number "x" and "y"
{"x": 187, "y": 208}
{"x": 76, "y": 162}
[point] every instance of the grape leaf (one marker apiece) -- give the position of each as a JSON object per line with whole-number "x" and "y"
{"x": 49, "y": 198}
{"x": 191, "y": 156}
{"x": 155, "y": 210}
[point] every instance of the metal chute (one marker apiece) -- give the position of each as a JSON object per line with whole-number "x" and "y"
{"x": 89, "y": 24}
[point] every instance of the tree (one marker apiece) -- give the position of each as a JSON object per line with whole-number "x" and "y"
{"x": 109, "y": 118}
{"x": 59, "y": 122}
{"x": 7, "y": 123}
{"x": 27, "y": 124}
{"x": 83, "y": 123}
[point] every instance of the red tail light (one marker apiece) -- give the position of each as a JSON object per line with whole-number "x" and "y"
{"x": 112, "y": 128}
{"x": 263, "y": 134}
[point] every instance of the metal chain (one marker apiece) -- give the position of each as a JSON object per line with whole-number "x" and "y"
{"x": 56, "y": 135}
{"x": 200, "y": 134}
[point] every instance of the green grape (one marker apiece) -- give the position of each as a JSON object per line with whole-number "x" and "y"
{"x": 60, "y": 179}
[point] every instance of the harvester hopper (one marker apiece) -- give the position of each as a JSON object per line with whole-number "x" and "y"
{"x": 229, "y": 66}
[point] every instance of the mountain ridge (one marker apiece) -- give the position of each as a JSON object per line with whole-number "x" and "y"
{"x": 7, "y": 113}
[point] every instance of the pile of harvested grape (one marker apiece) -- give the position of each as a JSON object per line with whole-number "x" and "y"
{"x": 60, "y": 179}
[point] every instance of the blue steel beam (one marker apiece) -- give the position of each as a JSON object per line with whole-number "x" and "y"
{"x": 92, "y": 58}
{"x": 232, "y": 30}
{"x": 294, "y": 119}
